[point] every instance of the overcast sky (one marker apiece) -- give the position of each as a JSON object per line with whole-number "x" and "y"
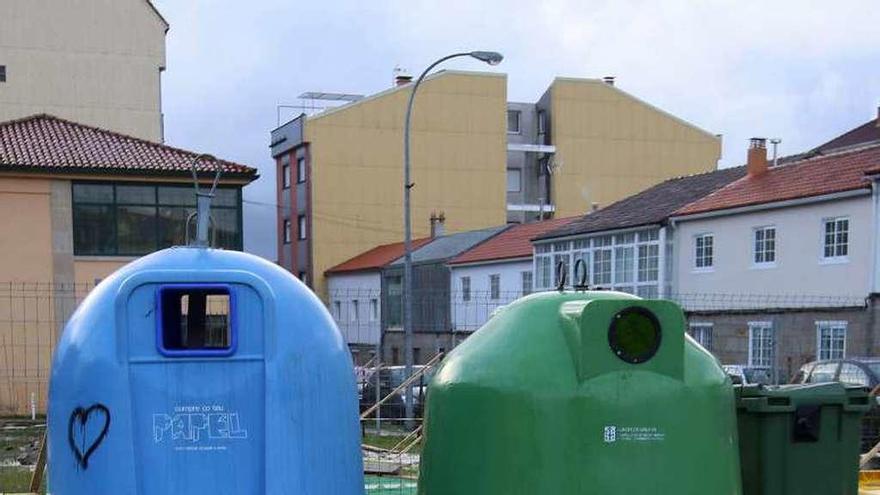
{"x": 801, "y": 70}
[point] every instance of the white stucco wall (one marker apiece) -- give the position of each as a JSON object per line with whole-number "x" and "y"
{"x": 365, "y": 288}
{"x": 800, "y": 277}
{"x": 471, "y": 315}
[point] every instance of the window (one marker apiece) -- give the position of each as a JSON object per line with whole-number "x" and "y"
{"x": 354, "y": 310}
{"x": 836, "y": 245}
{"x": 135, "y": 219}
{"x": 513, "y": 121}
{"x": 602, "y": 260}
{"x": 702, "y": 333}
{"x": 287, "y": 232}
{"x": 765, "y": 246}
{"x": 761, "y": 344}
{"x": 465, "y": 288}
{"x": 304, "y": 277}
{"x": 495, "y": 286}
{"x": 514, "y": 180}
{"x": 2, "y": 73}
{"x": 561, "y": 254}
{"x": 831, "y": 339}
{"x": 300, "y": 170}
{"x": 542, "y": 122}
{"x": 704, "y": 251}
{"x": 649, "y": 259}
{"x": 543, "y": 266}
{"x": 526, "y": 282}
{"x": 301, "y": 227}
{"x": 195, "y": 320}
{"x": 394, "y": 303}
{"x": 824, "y": 373}
{"x": 285, "y": 172}
{"x": 627, "y": 262}
{"x": 851, "y": 373}
{"x": 374, "y": 309}
{"x": 337, "y": 310}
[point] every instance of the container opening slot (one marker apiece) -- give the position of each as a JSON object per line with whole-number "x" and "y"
{"x": 195, "y": 320}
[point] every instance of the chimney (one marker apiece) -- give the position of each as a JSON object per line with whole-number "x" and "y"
{"x": 594, "y": 207}
{"x": 756, "y": 163}
{"x": 877, "y": 122}
{"x": 401, "y": 76}
{"x": 438, "y": 227}
{"x": 609, "y": 80}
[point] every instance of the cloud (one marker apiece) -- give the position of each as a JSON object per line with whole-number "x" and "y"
{"x": 799, "y": 70}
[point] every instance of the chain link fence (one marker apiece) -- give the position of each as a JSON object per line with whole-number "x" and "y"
{"x": 775, "y": 333}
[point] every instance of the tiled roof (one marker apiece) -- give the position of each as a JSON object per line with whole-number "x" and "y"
{"x": 863, "y": 134}
{"x": 816, "y": 176}
{"x": 651, "y": 206}
{"x": 514, "y": 242}
{"x": 43, "y": 143}
{"x": 449, "y": 246}
{"x": 375, "y": 258}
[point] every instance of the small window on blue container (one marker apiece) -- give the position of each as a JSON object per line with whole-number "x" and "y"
{"x": 196, "y": 320}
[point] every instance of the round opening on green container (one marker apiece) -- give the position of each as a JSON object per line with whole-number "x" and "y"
{"x": 634, "y": 335}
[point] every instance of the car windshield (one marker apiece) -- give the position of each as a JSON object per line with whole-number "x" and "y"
{"x": 757, "y": 375}
{"x": 874, "y": 367}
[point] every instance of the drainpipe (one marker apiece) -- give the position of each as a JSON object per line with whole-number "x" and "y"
{"x": 661, "y": 265}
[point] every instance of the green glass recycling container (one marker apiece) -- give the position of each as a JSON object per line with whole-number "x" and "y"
{"x": 592, "y": 392}
{"x": 800, "y": 439}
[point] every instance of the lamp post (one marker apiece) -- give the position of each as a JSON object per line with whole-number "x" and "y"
{"x": 491, "y": 58}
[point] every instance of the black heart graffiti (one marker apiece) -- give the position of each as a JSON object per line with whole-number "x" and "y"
{"x": 83, "y": 448}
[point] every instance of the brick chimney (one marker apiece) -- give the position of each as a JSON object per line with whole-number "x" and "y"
{"x": 756, "y": 164}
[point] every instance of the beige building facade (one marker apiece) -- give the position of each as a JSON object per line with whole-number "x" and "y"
{"x": 478, "y": 161}
{"x": 97, "y": 62}
{"x": 77, "y": 203}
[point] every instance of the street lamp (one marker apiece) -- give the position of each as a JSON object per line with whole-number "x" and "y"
{"x": 491, "y": 58}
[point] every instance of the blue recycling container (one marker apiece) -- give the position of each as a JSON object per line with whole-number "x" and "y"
{"x": 203, "y": 371}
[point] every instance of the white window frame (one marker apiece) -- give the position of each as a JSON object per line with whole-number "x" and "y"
{"x": 834, "y": 258}
{"x": 527, "y": 282}
{"x": 761, "y": 326}
{"x": 518, "y": 114}
{"x": 514, "y": 172}
{"x": 709, "y": 266}
{"x": 465, "y": 283}
{"x": 374, "y": 309}
{"x": 337, "y": 308}
{"x": 495, "y": 286}
{"x": 301, "y": 228}
{"x": 704, "y": 328}
{"x": 285, "y": 176}
{"x": 764, "y": 264}
{"x": 587, "y": 247}
{"x": 831, "y": 326}
{"x": 286, "y": 231}
{"x": 300, "y": 170}
{"x": 355, "y": 307}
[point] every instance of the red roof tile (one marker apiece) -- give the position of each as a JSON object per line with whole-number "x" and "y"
{"x": 50, "y": 144}
{"x": 815, "y": 176}
{"x": 514, "y": 242}
{"x": 375, "y": 258}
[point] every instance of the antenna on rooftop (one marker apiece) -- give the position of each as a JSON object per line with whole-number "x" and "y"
{"x": 203, "y": 200}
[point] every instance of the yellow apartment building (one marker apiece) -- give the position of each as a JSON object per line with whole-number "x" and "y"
{"x": 478, "y": 161}
{"x": 98, "y": 62}
{"x": 76, "y": 203}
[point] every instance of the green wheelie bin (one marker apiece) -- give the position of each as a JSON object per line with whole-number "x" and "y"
{"x": 800, "y": 439}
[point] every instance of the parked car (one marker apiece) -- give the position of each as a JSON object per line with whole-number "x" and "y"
{"x": 390, "y": 378}
{"x": 747, "y": 375}
{"x": 865, "y": 372}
